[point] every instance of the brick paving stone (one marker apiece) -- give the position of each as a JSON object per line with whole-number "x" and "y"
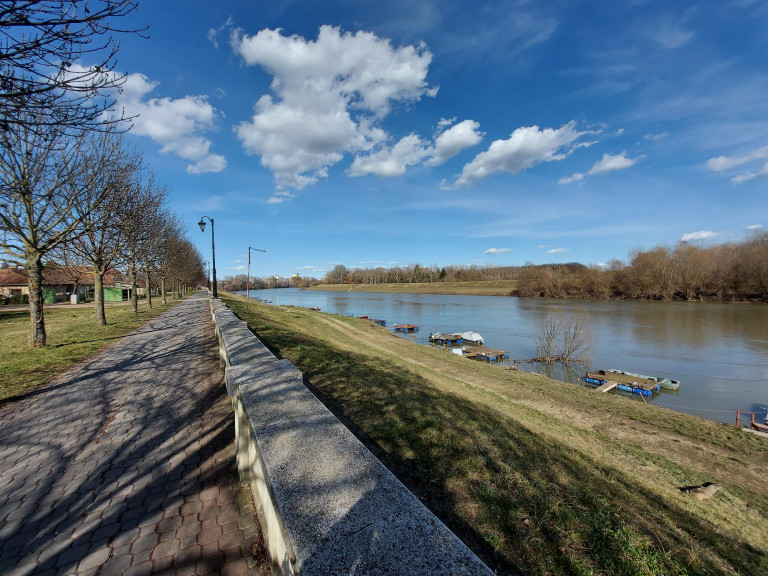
{"x": 165, "y": 549}
{"x": 129, "y": 470}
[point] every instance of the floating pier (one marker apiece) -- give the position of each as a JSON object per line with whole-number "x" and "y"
{"x": 623, "y": 382}
{"x": 406, "y": 328}
{"x": 486, "y": 354}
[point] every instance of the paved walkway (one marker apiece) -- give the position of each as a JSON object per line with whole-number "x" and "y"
{"x": 125, "y": 465}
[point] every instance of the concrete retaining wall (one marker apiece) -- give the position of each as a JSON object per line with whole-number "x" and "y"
{"x": 326, "y": 504}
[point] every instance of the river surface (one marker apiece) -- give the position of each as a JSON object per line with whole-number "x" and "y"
{"x": 719, "y": 352}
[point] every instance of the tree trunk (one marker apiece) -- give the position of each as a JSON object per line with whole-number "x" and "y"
{"x": 34, "y": 267}
{"x": 162, "y": 287}
{"x": 134, "y": 285}
{"x": 98, "y": 295}
{"x": 149, "y": 288}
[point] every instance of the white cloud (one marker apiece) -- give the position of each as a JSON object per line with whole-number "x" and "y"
{"x": 389, "y": 162}
{"x": 412, "y": 150}
{"x": 611, "y": 162}
{"x": 279, "y": 196}
{"x": 449, "y": 142}
{"x": 328, "y": 97}
{"x": 700, "y": 235}
{"x": 570, "y": 179}
{"x": 558, "y": 251}
{"x": 175, "y": 124}
{"x": 755, "y": 227}
{"x": 525, "y": 148}
{"x": 656, "y": 137}
{"x": 723, "y": 163}
{"x": 214, "y": 32}
{"x": 762, "y": 173}
{"x": 608, "y": 163}
{"x": 497, "y": 250}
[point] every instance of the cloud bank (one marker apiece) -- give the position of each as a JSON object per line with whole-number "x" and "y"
{"x": 175, "y": 124}
{"x": 526, "y": 147}
{"x": 328, "y": 98}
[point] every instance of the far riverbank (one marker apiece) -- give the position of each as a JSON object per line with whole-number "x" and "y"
{"x": 481, "y": 288}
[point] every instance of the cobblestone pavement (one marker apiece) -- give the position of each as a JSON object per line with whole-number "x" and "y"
{"x": 125, "y": 465}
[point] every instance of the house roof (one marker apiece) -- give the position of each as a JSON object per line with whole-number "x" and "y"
{"x": 13, "y": 277}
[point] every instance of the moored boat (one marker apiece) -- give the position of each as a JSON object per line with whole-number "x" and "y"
{"x": 457, "y": 338}
{"x": 446, "y": 339}
{"x": 470, "y": 337}
{"x": 406, "y": 328}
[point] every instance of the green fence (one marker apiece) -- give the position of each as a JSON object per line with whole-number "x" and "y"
{"x": 113, "y": 295}
{"x": 49, "y": 296}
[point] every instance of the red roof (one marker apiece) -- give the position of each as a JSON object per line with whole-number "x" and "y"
{"x": 13, "y": 277}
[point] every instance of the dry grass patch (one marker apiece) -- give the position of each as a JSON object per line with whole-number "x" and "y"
{"x": 73, "y": 335}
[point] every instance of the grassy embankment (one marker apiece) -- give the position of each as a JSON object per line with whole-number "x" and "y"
{"x": 73, "y": 335}
{"x": 535, "y": 475}
{"x": 480, "y": 288}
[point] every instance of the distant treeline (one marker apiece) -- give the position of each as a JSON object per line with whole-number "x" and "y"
{"x": 736, "y": 271}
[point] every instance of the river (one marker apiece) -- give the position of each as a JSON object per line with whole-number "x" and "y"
{"x": 719, "y": 352}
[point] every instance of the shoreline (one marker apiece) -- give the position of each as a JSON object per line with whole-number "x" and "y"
{"x": 500, "y": 288}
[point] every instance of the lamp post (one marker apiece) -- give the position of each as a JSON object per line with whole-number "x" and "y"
{"x": 248, "y": 281}
{"x": 213, "y": 252}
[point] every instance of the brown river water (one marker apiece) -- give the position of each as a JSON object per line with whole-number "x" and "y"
{"x": 719, "y": 352}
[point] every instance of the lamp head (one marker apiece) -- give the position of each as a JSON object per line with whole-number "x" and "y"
{"x": 202, "y": 225}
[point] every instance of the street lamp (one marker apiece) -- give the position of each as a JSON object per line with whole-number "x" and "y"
{"x": 248, "y": 281}
{"x": 213, "y": 251}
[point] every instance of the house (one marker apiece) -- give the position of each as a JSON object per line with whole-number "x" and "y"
{"x": 61, "y": 282}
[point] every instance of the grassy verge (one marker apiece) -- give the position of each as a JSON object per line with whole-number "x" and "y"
{"x": 73, "y": 335}
{"x": 536, "y": 476}
{"x": 484, "y": 288}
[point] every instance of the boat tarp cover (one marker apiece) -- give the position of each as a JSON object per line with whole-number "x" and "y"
{"x": 471, "y": 336}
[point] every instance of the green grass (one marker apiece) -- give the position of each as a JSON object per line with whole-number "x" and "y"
{"x": 72, "y": 336}
{"x": 535, "y": 476}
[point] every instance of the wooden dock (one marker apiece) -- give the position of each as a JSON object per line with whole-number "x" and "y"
{"x": 626, "y": 379}
{"x": 485, "y": 353}
{"x": 606, "y": 387}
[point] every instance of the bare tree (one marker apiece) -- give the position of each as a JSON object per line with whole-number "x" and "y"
{"x": 171, "y": 246}
{"x": 338, "y": 275}
{"x": 41, "y": 42}
{"x": 139, "y": 212}
{"x": 44, "y": 180}
{"x": 101, "y": 241}
{"x": 564, "y": 338}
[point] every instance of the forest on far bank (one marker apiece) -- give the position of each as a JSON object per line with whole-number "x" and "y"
{"x": 733, "y": 271}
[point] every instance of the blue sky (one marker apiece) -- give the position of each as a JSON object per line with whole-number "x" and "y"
{"x": 436, "y": 132}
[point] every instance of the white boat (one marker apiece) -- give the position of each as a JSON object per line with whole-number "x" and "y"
{"x": 472, "y": 338}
